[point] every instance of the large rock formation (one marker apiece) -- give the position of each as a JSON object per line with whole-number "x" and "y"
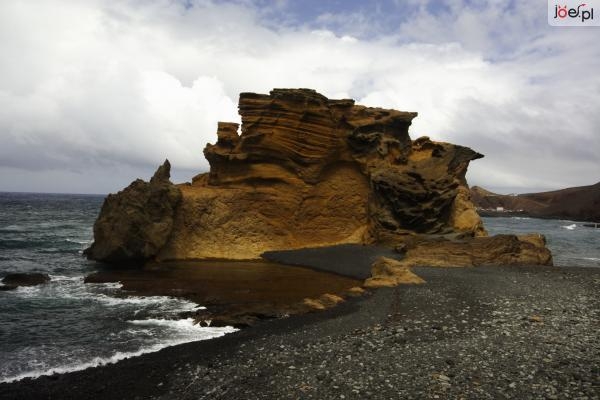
{"x": 304, "y": 171}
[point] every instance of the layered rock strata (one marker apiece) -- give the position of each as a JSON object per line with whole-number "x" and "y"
{"x": 436, "y": 251}
{"x": 301, "y": 171}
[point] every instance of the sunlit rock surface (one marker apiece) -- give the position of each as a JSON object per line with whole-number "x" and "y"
{"x": 301, "y": 171}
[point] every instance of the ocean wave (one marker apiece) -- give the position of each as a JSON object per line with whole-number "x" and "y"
{"x": 86, "y": 242}
{"x": 194, "y": 333}
{"x": 12, "y": 228}
{"x": 112, "y": 285}
{"x": 591, "y": 258}
{"x": 26, "y": 291}
{"x": 113, "y": 301}
{"x": 187, "y": 325}
{"x": 64, "y": 278}
{"x": 106, "y": 294}
{"x": 569, "y": 227}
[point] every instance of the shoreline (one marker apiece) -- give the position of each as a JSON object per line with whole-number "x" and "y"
{"x": 523, "y": 214}
{"x": 486, "y": 297}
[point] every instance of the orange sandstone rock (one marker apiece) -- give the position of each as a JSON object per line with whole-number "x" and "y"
{"x": 387, "y": 272}
{"x": 302, "y": 171}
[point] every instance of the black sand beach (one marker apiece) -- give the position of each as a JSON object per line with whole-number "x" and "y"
{"x": 488, "y": 332}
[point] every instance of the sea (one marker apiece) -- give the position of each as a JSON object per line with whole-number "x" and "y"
{"x": 67, "y": 325}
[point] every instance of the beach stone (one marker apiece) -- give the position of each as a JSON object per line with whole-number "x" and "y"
{"x": 387, "y": 272}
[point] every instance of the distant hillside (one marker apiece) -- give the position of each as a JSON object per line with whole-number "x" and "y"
{"x": 578, "y": 203}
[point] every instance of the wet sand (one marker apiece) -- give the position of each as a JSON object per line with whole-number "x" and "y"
{"x": 235, "y": 293}
{"x": 228, "y": 283}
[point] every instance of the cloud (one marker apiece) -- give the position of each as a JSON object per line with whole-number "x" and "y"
{"x": 90, "y": 88}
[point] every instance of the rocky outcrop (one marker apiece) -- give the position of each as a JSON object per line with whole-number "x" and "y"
{"x": 436, "y": 251}
{"x": 307, "y": 171}
{"x": 12, "y": 281}
{"x": 577, "y": 203}
{"x": 301, "y": 171}
{"x": 388, "y": 272}
{"x": 135, "y": 223}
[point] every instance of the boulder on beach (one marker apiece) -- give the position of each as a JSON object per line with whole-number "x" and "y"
{"x": 388, "y": 272}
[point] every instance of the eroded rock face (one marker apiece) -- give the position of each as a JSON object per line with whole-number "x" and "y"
{"x": 135, "y": 223}
{"x": 307, "y": 171}
{"x": 304, "y": 171}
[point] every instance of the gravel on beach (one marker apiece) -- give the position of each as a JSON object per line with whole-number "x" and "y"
{"x": 473, "y": 333}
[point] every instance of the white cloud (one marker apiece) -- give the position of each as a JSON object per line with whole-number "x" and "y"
{"x": 87, "y": 87}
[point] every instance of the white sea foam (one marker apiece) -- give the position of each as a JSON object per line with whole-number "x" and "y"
{"x": 73, "y": 287}
{"x": 64, "y": 278}
{"x": 569, "y": 227}
{"x": 27, "y": 291}
{"x": 181, "y": 325}
{"x": 191, "y": 333}
{"x": 86, "y": 242}
{"x": 164, "y": 302}
{"x": 591, "y": 258}
{"x": 112, "y": 285}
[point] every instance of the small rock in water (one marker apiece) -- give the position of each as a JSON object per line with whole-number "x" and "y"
{"x": 25, "y": 279}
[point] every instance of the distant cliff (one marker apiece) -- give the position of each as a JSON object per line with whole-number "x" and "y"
{"x": 577, "y": 203}
{"x": 301, "y": 171}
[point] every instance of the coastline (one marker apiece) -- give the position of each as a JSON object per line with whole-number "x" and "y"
{"x": 525, "y": 214}
{"x": 528, "y": 331}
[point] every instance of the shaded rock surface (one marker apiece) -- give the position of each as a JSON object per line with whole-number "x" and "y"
{"x": 577, "y": 203}
{"x": 135, "y": 223}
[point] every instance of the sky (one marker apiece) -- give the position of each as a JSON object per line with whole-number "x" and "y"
{"x": 96, "y": 93}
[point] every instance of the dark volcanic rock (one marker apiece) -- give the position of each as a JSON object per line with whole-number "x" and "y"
{"x": 12, "y": 281}
{"x": 135, "y": 223}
